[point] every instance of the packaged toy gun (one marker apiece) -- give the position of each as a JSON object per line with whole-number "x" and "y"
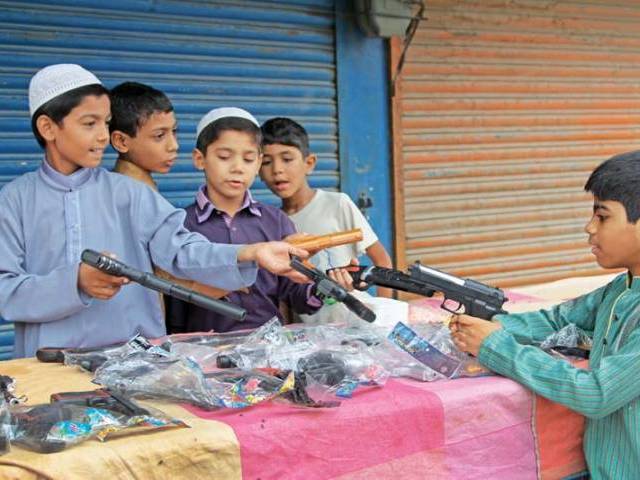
{"x": 101, "y": 398}
{"x": 90, "y": 358}
{"x": 119, "y": 269}
{"x": 472, "y": 298}
{"x": 328, "y": 288}
{"x": 72, "y": 417}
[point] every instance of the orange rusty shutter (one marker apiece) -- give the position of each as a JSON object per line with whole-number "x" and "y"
{"x": 501, "y": 111}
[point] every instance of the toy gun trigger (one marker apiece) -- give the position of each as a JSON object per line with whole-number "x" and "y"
{"x": 448, "y": 304}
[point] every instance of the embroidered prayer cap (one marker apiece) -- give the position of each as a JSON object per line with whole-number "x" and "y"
{"x": 224, "y": 112}
{"x": 54, "y": 80}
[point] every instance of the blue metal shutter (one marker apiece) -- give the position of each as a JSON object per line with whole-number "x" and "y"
{"x": 273, "y": 58}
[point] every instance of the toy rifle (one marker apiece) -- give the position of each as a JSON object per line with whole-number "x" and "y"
{"x": 475, "y": 298}
{"x": 310, "y": 243}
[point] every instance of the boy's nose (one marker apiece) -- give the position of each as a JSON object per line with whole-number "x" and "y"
{"x": 173, "y": 143}
{"x": 103, "y": 134}
{"x": 237, "y": 166}
{"x": 590, "y": 227}
{"x": 278, "y": 166}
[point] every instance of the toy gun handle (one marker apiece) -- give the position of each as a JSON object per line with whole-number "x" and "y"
{"x": 119, "y": 269}
{"x": 326, "y": 286}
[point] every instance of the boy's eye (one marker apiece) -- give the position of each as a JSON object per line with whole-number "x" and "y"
{"x": 90, "y": 123}
{"x": 287, "y": 159}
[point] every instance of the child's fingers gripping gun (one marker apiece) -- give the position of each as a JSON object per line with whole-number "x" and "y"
{"x": 469, "y": 297}
{"x": 326, "y": 287}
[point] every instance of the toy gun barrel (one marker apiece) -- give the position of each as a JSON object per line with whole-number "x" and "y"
{"x": 386, "y": 277}
{"x": 119, "y": 269}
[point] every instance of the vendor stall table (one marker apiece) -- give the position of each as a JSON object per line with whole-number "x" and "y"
{"x": 487, "y": 427}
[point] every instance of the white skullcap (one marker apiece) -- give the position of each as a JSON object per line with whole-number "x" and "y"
{"x": 224, "y": 112}
{"x": 55, "y": 80}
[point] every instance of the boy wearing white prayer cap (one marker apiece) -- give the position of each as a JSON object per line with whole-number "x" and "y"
{"x": 69, "y": 204}
{"x": 228, "y": 151}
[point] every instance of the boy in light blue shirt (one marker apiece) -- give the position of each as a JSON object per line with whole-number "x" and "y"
{"x": 48, "y": 217}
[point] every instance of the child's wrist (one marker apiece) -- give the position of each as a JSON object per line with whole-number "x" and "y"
{"x": 248, "y": 253}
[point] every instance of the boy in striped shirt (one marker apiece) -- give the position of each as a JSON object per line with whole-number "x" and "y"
{"x": 608, "y": 394}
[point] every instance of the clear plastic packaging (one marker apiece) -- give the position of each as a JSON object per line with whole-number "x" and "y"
{"x": 159, "y": 376}
{"x": 569, "y": 336}
{"x": 328, "y": 359}
{"x": 50, "y": 428}
{"x": 5, "y": 422}
{"x": 238, "y": 388}
{"x": 91, "y": 360}
{"x": 431, "y": 344}
{"x": 570, "y": 341}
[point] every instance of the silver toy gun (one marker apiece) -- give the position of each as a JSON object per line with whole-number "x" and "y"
{"x": 470, "y": 297}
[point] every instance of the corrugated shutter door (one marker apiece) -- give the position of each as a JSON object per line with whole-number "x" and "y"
{"x": 503, "y": 110}
{"x": 270, "y": 57}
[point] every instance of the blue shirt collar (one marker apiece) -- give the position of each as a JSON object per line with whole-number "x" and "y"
{"x": 68, "y": 182}
{"x": 205, "y": 206}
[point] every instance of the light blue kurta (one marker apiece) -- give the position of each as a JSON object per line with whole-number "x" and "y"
{"x": 608, "y": 394}
{"x": 47, "y": 219}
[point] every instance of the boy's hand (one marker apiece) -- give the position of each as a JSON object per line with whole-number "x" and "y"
{"x": 98, "y": 284}
{"x": 341, "y": 275}
{"x": 275, "y": 257}
{"x": 469, "y": 332}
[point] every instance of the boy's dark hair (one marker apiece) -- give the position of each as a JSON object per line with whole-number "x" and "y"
{"x": 285, "y": 131}
{"x": 211, "y": 132}
{"x": 59, "y": 107}
{"x": 618, "y": 179}
{"x": 132, "y": 103}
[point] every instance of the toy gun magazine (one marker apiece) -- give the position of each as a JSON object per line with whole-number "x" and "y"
{"x": 466, "y": 295}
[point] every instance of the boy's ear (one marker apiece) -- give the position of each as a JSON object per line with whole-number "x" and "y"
{"x": 310, "y": 163}
{"x": 46, "y": 128}
{"x": 120, "y": 141}
{"x": 198, "y": 159}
